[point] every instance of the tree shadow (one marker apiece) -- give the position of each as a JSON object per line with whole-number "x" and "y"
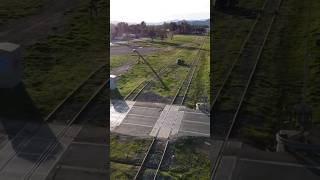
{"x": 118, "y": 101}
{"x": 21, "y": 122}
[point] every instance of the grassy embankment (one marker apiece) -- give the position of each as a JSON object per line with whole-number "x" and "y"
{"x": 278, "y": 84}
{"x": 55, "y": 65}
{"x": 230, "y": 31}
{"x": 126, "y": 149}
{"x": 200, "y": 86}
{"x": 122, "y": 171}
{"x": 183, "y": 47}
{"x": 191, "y": 159}
{"x": 14, "y": 9}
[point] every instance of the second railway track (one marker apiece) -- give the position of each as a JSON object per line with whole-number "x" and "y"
{"x": 230, "y": 97}
{"x": 156, "y": 153}
{"x": 78, "y": 120}
{"x": 87, "y": 91}
{"x": 146, "y": 84}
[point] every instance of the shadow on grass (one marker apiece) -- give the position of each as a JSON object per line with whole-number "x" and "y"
{"x": 21, "y": 122}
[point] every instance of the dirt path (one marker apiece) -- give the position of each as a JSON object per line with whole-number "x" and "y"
{"x": 124, "y": 50}
{"x": 122, "y": 69}
{"x": 32, "y": 28}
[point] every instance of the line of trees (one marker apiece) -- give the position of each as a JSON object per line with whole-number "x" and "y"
{"x": 154, "y": 31}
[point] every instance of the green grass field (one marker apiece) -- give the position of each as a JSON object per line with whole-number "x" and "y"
{"x": 279, "y": 82}
{"x": 277, "y": 85}
{"x": 200, "y": 86}
{"x": 191, "y": 159}
{"x": 54, "y": 66}
{"x": 230, "y": 31}
{"x": 122, "y": 171}
{"x": 14, "y": 9}
{"x": 128, "y": 148}
{"x": 182, "y": 46}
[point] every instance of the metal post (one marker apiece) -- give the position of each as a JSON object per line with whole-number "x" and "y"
{"x": 158, "y": 77}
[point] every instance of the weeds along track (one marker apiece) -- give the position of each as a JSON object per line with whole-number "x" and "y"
{"x": 224, "y": 65}
{"x": 78, "y": 97}
{"x": 151, "y": 163}
{"x": 156, "y": 153}
{"x": 97, "y": 99}
{"x": 231, "y": 94}
{"x": 182, "y": 92}
{"x": 132, "y": 96}
{"x": 138, "y": 92}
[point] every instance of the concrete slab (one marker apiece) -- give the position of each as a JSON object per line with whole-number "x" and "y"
{"x": 27, "y": 157}
{"x": 77, "y": 155}
{"x": 134, "y": 130}
{"x": 226, "y": 168}
{"x": 161, "y": 120}
{"x": 64, "y": 173}
{"x": 92, "y": 134}
{"x": 195, "y": 123}
{"x": 247, "y": 169}
{"x": 141, "y": 120}
{"x": 168, "y": 122}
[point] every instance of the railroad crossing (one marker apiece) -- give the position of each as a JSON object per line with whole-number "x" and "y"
{"x": 157, "y": 120}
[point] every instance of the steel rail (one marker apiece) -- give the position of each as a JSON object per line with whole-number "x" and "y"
{"x": 54, "y": 144}
{"x": 226, "y": 138}
{"x": 142, "y": 166}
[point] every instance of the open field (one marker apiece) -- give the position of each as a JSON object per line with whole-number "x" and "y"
{"x": 191, "y": 159}
{"x": 230, "y": 31}
{"x": 277, "y": 85}
{"x": 281, "y": 74}
{"x": 168, "y": 51}
{"x": 127, "y": 148}
{"x": 15, "y": 9}
{"x": 54, "y": 66}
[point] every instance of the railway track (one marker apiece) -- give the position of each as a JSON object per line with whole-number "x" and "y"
{"x": 92, "y": 84}
{"x": 185, "y": 86}
{"x": 77, "y": 120}
{"x": 132, "y": 96}
{"x": 78, "y": 97}
{"x": 137, "y": 92}
{"x": 152, "y": 162}
{"x": 230, "y": 96}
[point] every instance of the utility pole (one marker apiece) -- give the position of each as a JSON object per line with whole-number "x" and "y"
{"x": 147, "y": 63}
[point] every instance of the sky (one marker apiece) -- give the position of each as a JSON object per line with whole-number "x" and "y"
{"x": 154, "y": 11}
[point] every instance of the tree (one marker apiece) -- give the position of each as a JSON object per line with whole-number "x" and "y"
{"x": 152, "y": 33}
{"x": 173, "y": 26}
{"x": 122, "y": 28}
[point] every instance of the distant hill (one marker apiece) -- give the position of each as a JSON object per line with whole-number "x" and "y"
{"x": 201, "y": 22}
{"x": 205, "y": 22}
